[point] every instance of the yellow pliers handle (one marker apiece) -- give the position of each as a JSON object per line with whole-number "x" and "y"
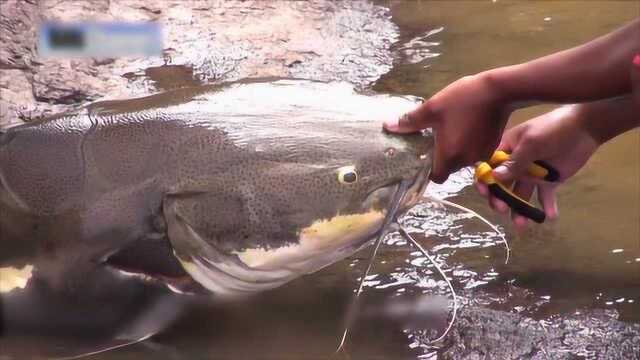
{"x": 538, "y": 169}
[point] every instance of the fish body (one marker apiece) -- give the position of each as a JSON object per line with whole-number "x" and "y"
{"x": 224, "y": 190}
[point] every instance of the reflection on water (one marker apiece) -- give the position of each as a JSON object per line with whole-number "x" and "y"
{"x": 587, "y": 257}
{"x": 420, "y": 47}
{"x": 164, "y": 77}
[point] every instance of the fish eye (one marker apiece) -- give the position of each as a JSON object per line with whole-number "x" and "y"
{"x": 347, "y": 175}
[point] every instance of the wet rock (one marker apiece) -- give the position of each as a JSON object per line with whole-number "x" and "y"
{"x": 17, "y": 34}
{"x": 481, "y": 333}
{"x": 66, "y": 82}
{"x": 209, "y": 42}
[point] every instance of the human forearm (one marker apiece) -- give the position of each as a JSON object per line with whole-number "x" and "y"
{"x": 606, "y": 119}
{"x": 595, "y": 70}
{"x": 469, "y": 115}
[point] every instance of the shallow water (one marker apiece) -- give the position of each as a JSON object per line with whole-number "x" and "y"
{"x": 589, "y": 258}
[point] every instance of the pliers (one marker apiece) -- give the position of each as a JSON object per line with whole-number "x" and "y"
{"x": 538, "y": 169}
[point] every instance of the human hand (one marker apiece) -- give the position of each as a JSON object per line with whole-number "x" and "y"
{"x": 559, "y": 138}
{"x": 635, "y": 80}
{"x": 467, "y": 118}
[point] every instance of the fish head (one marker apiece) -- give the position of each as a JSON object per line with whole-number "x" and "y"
{"x": 371, "y": 166}
{"x": 311, "y": 191}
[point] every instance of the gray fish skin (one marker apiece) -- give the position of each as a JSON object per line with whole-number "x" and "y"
{"x": 214, "y": 175}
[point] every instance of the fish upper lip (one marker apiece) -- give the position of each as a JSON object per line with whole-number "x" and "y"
{"x": 419, "y": 175}
{"x": 414, "y": 193}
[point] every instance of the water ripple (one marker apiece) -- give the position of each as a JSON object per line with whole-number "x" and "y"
{"x": 420, "y": 47}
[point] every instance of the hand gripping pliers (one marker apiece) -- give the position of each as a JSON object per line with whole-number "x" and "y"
{"x": 538, "y": 169}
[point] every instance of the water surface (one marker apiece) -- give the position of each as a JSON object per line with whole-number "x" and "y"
{"x": 590, "y": 256}
{"x": 588, "y": 259}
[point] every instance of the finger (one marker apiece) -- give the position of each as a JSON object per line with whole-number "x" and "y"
{"x": 547, "y": 198}
{"x": 413, "y": 121}
{"x": 524, "y": 190}
{"x": 509, "y": 139}
{"x": 441, "y": 167}
{"x": 519, "y": 160}
{"x": 498, "y": 205}
{"x": 520, "y": 222}
{"x": 482, "y": 188}
{"x": 505, "y": 144}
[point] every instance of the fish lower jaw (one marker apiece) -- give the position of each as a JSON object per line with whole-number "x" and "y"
{"x": 254, "y": 270}
{"x": 232, "y": 280}
{"x": 178, "y": 284}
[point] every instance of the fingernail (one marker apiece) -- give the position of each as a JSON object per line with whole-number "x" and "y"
{"x": 554, "y": 212}
{"x": 481, "y": 188}
{"x": 520, "y": 222}
{"x": 501, "y": 206}
{"x": 391, "y": 125}
{"x": 501, "y": 171}
{"x": 636, "y": 60}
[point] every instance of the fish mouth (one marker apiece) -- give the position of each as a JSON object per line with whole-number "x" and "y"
{"x": 152, "y": 262}
{"x": 382, "y": 197}
{"x": 320, "y": 244}
{"x": 194, "y": 265}
{"x": 416, "y": 189}
{"x": 232, "y": 275}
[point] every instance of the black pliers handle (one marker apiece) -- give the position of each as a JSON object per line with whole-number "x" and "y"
{"x": 538, "y": 169}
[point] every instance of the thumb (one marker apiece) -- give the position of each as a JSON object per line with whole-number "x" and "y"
{"x": 413, "y": 121}
{"x": 514, "y": 168}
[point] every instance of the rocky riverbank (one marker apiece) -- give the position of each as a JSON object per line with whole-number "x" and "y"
{"x": 488, "y": 334}
{"x": 204, "y": 42}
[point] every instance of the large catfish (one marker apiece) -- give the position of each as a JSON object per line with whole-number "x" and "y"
{"x": 226, "y": 189}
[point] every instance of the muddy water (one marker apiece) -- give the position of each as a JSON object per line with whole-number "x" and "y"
{"x": 588, "y": 260}
{"x": 590, "y": 256}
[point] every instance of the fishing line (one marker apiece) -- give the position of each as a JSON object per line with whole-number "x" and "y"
{"x": 484, "y": 220}
{"x": 389, "y": 219}
{"x": 108, "y": 348}
{"x": 408, "y": 237}
{"x": 387, "y": 226}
